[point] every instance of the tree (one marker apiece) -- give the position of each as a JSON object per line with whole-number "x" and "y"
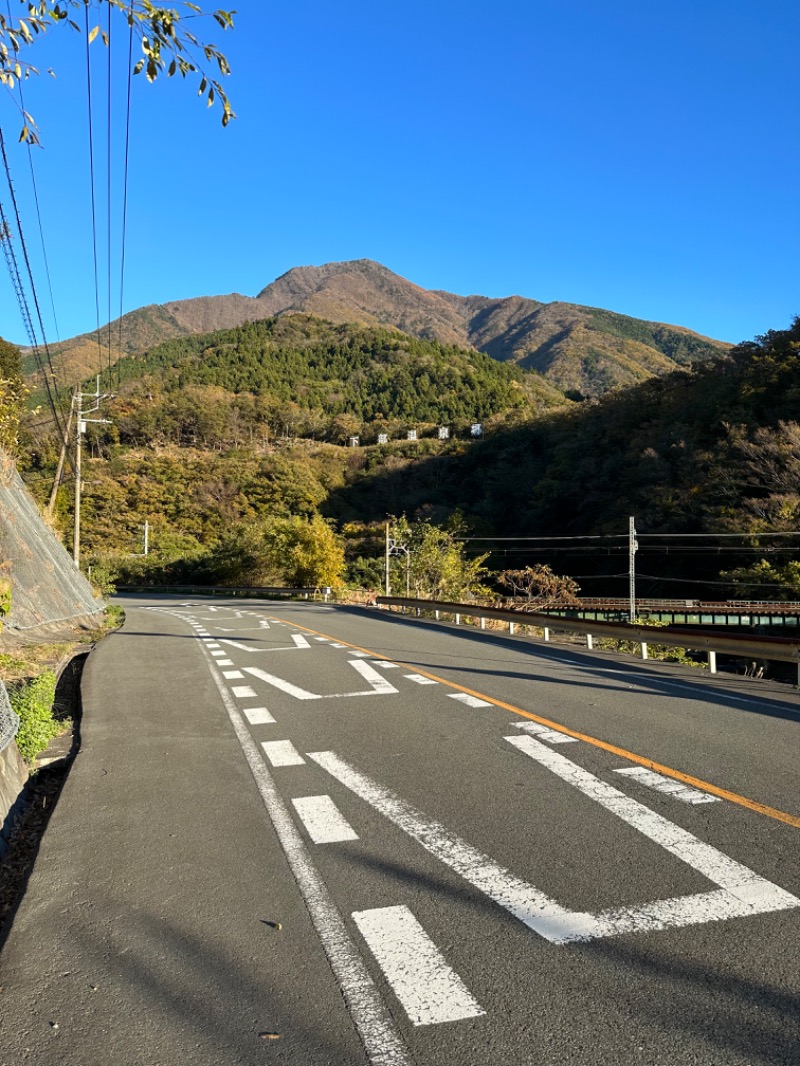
{"x": 167, "y": 46}
{"x": 437, "y": 565}
{"x": 539, "y": 588}
{"x": 12, "y": 392}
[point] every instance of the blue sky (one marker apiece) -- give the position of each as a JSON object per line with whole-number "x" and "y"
{"x": 638, "y": 157}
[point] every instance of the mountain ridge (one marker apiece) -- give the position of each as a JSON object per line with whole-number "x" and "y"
{"x": 579, "y": 349}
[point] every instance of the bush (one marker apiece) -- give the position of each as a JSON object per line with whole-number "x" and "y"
{"x": 33, "y": 702}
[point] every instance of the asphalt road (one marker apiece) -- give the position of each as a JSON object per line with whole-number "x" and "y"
{"x": 299, "y": 834}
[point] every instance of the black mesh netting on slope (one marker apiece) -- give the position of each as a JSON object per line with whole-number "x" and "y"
{"x": 46, "y": 587}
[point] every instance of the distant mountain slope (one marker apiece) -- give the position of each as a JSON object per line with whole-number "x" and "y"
{"x": 585, "y": 349}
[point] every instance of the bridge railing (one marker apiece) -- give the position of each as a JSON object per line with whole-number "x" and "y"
{"x": 743, "y": 645}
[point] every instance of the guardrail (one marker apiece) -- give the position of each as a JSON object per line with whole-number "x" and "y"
{"x": 9, "y": 720}
{"x": 229, "y": 590}
{"x": 782, "y": 649}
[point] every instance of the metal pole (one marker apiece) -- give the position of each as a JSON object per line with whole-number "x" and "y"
{"x": 632, "y": 546}
{"x": 388, "y": 586}
{"x": 76, "y": 535}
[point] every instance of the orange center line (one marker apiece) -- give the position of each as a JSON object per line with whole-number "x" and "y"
{"x": 631, "y": 756}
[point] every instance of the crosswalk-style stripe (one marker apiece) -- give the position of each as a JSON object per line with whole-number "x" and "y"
{"x": 233, "y": 675}
{"x": 665, "y": 784}
{"x": 552, "y": 736}
{"x": 420, "y": 679}
{"x": 282, "y": 753}
{"x": 258, "y": 716}
{"x": 470, "y": 701}
{"x": 300, "y": 641}
{"x": 323, "y": 820}
{"x": 429, "y": 990}
{"x": 243, "y": 692}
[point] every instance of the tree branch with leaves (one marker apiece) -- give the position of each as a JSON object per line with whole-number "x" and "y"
{"x": 168, "y": 47}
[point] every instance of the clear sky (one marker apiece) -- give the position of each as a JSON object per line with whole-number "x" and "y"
{"x": 641, "y": 157}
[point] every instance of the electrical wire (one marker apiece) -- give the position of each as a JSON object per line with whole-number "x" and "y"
{"x": 108, "y": 191}
{"x": 125, "y": 184}
{"x": 92, "y": 185}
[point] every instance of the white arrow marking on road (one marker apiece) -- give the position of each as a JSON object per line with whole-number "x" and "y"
{"x": 378, "y": 685}
{"x": 282, "y": 753}
{"x": 552, "y": 736}
{"x": 323, "y": 820}
{"x": 742, "y": 892}
{"x": 279, "y": 683}
{"x": 666, "y": 785}
{"x": 298, "y": 641}
{"x": 430, "y": 991}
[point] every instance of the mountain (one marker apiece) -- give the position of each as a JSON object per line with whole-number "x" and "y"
{"x": 583, "y": 349}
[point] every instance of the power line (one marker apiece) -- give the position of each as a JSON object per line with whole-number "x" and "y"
{"x": 91, "y": 182}
{"x": 125, "y": 183}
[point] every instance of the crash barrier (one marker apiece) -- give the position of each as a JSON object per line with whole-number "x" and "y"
{"x": 742, "y": 645}
{"x": 9, "y": 720}
{"x": 230, "y": 590}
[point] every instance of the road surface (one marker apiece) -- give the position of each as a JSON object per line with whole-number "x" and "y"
{"x": 300, "y": 834}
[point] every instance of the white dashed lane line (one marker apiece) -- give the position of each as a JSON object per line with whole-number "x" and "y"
{"x": 470, "y": 701}
{"x": 552, "y": 736}
{"x": 282, "y": 753}
{"x": 666, "y": 785}
{"x": 244, "y": 692}
{"x": 258, "y": 716}
{"x": 324, "y": 822}
{"x": 429, "y": 990}
{"x": 420, "y": 679}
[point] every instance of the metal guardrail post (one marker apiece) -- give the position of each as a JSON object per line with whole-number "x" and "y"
{"x": 644, "y": 650}
{"x": 589, "y": 641}
{"x": 712, "y": 662}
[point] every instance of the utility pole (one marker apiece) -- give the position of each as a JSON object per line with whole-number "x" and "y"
{"x": 95, "y": 398}
{"x": 51, "y": 503}
{"x": 632, "y": 548}
{"x": 146, "y": 535}
{"x": 386, "y": 582}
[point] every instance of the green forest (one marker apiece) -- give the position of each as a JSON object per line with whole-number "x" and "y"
{"x": 244, "y": 436}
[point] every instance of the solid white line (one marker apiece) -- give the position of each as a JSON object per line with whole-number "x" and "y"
{"x": 382, "y": 1042}
{"x": 419, "y": 679}
{"x": 243, "y": 691}
{"x": 429, "y": 990}
{"x": 471, "y": 701}
{"x": 282, "y": 753}
{"x": 324, "y": 822}
{"x": 552, "y": 736}
{"x": 232, "y": 675}
{"x": 676, "y": 789}
{"x": 258, "y": 716}
{"x": 743, "y": 891}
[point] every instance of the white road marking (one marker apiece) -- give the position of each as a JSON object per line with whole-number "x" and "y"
{"x": 258, "y": 716}
{"x": 429, "y": 990}
{"x": 552, "y": 736}
{"x": 378, "y": 685}
{"x": 339, "y": 645}
{"x": 744, "y": 893}
{"x": 282, "y": 753}
{"x": 741, "y": 892}
{"x": 279, "y": 683}
{"x": 383, "y": 1045}
{"x": 224, "y": 662}
{"x": 419, "y": 679}
{"x": 323, "y": 639}
{"x": 471, "y": 701}
{"x": 243, "y": 692}
{"x": 360, "y": 654}
{"x": 676, "y": 789}
{"x": 300, "y": 641}
{"x": 324, "y": 822}
{"x": 219, "y": 653}
{"x": 386, "y": 665}
{"x": 233, "y": 675}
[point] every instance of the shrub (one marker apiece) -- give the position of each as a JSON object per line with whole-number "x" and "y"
{"x": 33, "y": 702}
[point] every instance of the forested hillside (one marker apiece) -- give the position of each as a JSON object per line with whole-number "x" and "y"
{"x": 215, "y": 438}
